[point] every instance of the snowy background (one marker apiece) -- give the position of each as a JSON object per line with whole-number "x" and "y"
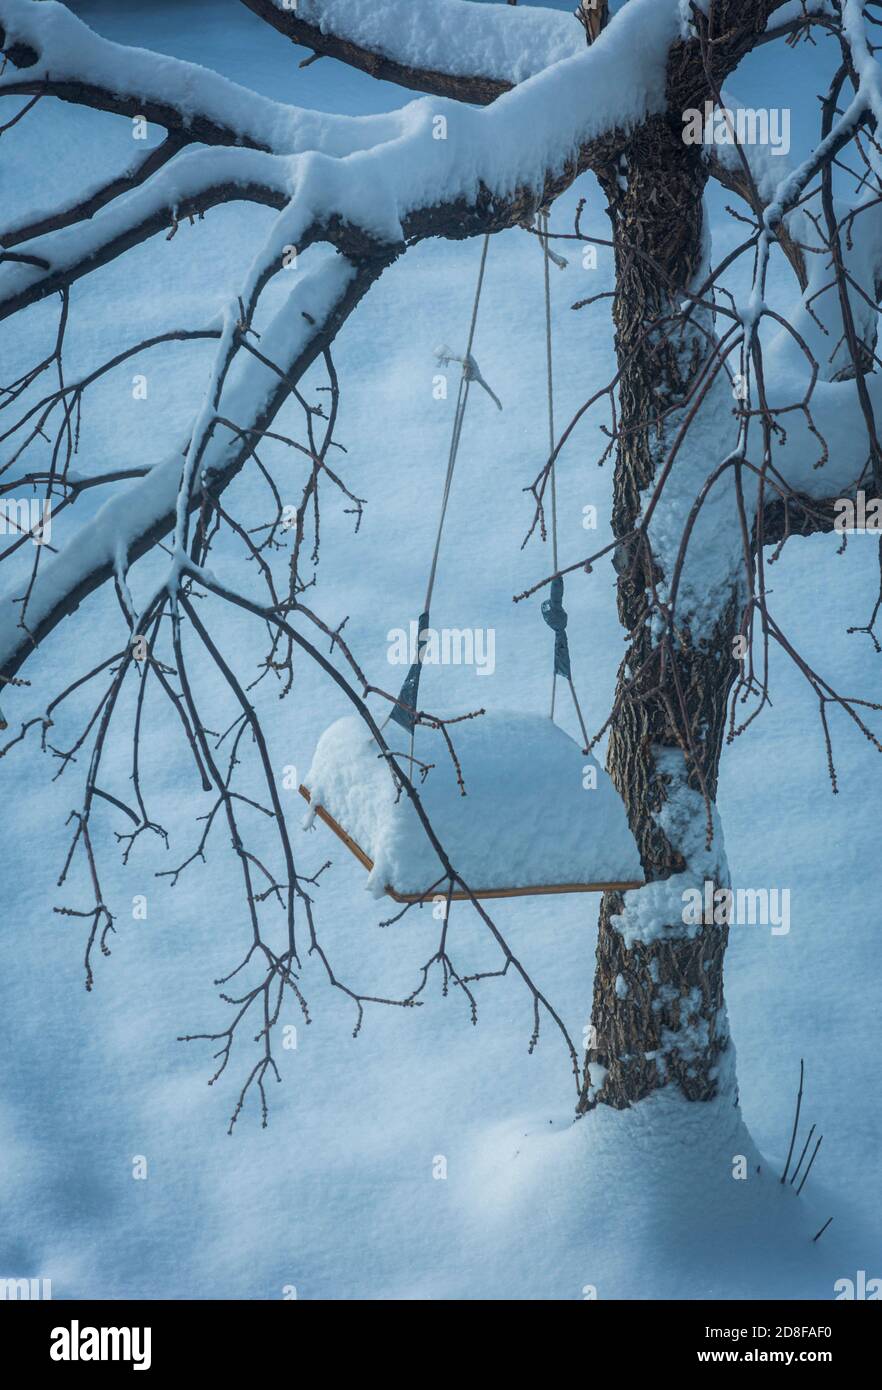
{"x": 338, "y": 1197}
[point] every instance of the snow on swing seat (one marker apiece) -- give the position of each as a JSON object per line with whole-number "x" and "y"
{"x": 531, "y": 821}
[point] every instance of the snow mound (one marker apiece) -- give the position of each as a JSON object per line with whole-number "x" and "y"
{"x": 668, "y": 1198}
{"x": 537, "y": 810}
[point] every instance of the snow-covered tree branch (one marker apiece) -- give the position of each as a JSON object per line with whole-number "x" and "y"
{"x": 450, "y": 49}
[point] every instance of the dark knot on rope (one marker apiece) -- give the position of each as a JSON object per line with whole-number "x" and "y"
{"x": 555, "y": 616}
{"x": 405, "y": 710}
{"x": 553, "y": 610}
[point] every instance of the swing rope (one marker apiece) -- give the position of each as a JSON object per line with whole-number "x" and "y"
{"x": 553, "y": 610}
{"x": 404, "y": 711}
{"x": 465, "y": 381}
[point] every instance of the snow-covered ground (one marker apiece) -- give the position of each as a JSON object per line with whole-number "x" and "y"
{"x": 426, "y": 1158}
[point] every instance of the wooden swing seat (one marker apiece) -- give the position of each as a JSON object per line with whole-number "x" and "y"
{"x": 562, "y": 819}
{"x": 535, "y": 891}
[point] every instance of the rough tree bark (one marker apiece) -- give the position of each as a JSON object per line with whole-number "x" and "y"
{"x": 674, "y": 985}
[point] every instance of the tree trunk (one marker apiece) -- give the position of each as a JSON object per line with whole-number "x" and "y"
{"x": 658, "y": 1015}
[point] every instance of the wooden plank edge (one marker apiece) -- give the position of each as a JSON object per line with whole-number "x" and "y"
{"x": 538, "y": 890}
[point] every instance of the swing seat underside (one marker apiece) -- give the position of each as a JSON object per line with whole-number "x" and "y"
{"x": 539, "y": 815}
